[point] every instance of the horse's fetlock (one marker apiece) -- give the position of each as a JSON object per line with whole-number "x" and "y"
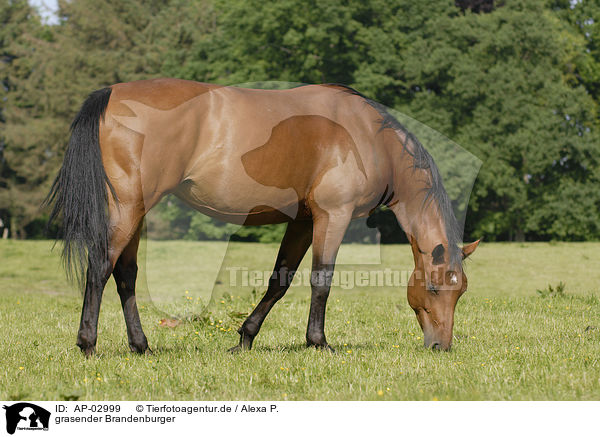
{"x": 249, "y": 329}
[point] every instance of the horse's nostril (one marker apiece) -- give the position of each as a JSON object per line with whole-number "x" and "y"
{"x": 436, "y": 346}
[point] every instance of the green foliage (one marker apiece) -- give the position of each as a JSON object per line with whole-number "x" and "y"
{"x": 47, "y": 71}
{"x": 495, "y": 83}
{"x": 552, "y": 292}
{"x": 22, "y": 159}
{"x": 502, "y": 84}
{"x": 517, "y": 86}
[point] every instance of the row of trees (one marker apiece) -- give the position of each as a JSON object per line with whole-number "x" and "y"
{"x": 514, "y": 82}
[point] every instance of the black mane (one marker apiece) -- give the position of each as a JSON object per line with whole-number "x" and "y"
{"x": 422, "y": 160}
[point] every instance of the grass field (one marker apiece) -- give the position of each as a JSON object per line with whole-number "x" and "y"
{"x": 510, "y": 342}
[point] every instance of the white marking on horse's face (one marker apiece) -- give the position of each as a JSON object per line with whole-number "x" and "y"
{"x": 453, "y": 279}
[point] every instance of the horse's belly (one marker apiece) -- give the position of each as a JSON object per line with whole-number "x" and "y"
{"x": 241, "y": 203}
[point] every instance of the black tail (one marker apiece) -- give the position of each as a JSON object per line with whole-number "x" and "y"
{"x": 80, "y": 193}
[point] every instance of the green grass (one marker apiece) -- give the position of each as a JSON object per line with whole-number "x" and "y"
{"x": 510, "y": 342}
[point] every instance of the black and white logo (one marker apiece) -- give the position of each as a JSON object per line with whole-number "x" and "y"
{"x": 26, "y": 417}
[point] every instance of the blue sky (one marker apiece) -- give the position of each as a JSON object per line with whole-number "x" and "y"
{"x": 47, "y": 9}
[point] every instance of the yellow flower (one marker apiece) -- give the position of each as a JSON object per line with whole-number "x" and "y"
{"x": 380, "y": 392}
{"x": 21, "y": 368}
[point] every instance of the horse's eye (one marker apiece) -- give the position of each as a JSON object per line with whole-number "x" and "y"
{"x": 438, "y": 254}
{"x": 432, "y": 289}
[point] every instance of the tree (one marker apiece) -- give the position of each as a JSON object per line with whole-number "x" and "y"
{"x": 476, "y": 6}
{"x": 22, "y": 157}
{"x": 497, "y": 84}
{"x": 49, "y": 70}
{"x": 502, "y": 84}
{"x": 515, "y": 82}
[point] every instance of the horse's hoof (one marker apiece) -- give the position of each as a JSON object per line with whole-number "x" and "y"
{"x": 327, "y": 348}
{"x": 240, "y": 348}
{"x": 88, "y": 351}
{"x": 235, "y": 350}
{"x": 141, "y": 349}
{"x": 323, "y": 347}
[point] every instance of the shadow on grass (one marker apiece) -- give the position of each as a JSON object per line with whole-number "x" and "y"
{"x": 300, "y": 347}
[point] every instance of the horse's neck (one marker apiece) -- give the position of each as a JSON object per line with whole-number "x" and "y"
{"x": 415, "y": 208}
{"x": 421, "y": 222}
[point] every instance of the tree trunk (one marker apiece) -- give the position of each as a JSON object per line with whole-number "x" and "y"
{"x": 520, "y": 235}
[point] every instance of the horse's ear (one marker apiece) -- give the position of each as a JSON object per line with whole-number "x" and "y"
{"x": 468, "y": 249}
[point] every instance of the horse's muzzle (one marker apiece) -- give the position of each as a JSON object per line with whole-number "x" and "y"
{"x": 436, "y": 345}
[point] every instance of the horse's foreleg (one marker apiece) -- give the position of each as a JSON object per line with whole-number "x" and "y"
{"x": 125, "y": 273}
{"x": 328, "y": 232}
{"x": 294, "y": 245}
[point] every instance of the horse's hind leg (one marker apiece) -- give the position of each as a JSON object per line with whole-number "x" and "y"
{"x": 328, "y": 232}
{"x": 124, "y": 227}
{"x": 125, "y": 273}
{"x": 88, "y": 327}
{"x": 294, "y": 245}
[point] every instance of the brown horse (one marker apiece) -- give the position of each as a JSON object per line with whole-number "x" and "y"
{"x": 316, "y": 157}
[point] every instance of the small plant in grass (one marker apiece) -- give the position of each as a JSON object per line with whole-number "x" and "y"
{"x": 553, "y": 292}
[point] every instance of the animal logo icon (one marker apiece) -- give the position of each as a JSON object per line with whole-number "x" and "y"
{"x": 26, "y": 416}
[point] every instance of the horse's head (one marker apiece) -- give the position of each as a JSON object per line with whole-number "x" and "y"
{"x": 434, "y": 288}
